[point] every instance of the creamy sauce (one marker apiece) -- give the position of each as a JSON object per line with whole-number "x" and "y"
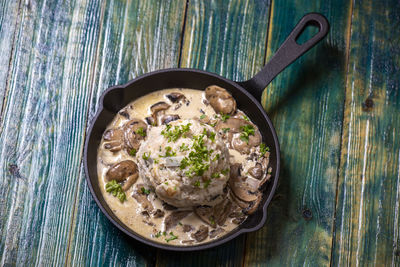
{"x": 130, "y": 211}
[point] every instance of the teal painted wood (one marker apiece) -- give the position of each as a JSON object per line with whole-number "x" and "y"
{"x": 8, "y": 24}
{"x": 306, "y": 105}
{"x": 136, "y": 37}
{"x": 368, "y": 225}
{"x": 43, "y": 127}
{"x": 227, "y": 38}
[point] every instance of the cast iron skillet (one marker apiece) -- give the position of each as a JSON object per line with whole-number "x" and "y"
{"x": 247, "y": 95}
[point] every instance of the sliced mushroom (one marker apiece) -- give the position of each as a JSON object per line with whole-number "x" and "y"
{"x": 159, "y": 106}
{"x": 168, "y": 118}
{"x": 121, "y": 170}
{"x": 167, "y": 206}
{"x": 214, "y": 215}
{"x": 257, "y": 171}
{"x": 150, "y": 121}
{"x": 187, "y": 228}
{"x": 114, "y": 139}
{"x": 130, "y": 181}
{"x": 131, "y": 136}
{"x": 142, "y": 199}
{"x": 242, "y": 204}
{"x": 175, "y": 97}
{"x": 216, "y": 232}
{"x": 158, "y": 213}
{"x": 174, "y": 218}
{"x": 243, "y": 190}
{"x": 123, "y": 113}
{"x": 244, "y": 147}
{"x": 200, "y": 234}
{"x": 253, "y": 206}
{"x": 220, "y": 100}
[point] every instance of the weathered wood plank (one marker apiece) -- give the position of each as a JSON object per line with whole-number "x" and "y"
{"x": 8, "y": 24}
{"x": 367, "y": 227}
{"x": 228, "y": 38}
{"x": 306, "y": 106}
{"x": 42, "y": 130}
{"x": 136, "y": 37}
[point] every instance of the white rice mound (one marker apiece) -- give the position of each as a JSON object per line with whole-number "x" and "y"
{"x": 173, "y": 183}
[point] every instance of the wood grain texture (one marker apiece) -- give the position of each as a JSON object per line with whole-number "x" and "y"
{"x": 42, "y": 130}
{"x": 305, "y": 103}
{"x": 8, "y": 24}
{"x": 367, "y": 227}
{"x": 228, "y": 38}
{"x": 136, "y": 37}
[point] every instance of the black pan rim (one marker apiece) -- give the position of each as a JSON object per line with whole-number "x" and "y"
{"x": 210, "y": 244}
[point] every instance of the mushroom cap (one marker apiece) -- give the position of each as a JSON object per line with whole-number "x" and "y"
{"x": 159, "y": 106}
{"x": 200, "y": 234}
{"x": 175, "y": 96}
{"x": 114, "y": 139}
{"x": 220, "y": 100}
{"x": 168, "y": 118}
{"x": 121, "y": 170}
{"x": 131, "y": 137}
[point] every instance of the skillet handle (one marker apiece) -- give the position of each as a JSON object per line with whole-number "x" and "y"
{"x": 288, "y": 52}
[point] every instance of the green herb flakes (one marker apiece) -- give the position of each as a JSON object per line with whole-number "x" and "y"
{"x": 247, "y": 130}
{"x": 146, "y": 156}
{"x": 183, "y": 147}
{"x": 203, "y": 116}
{"x": 224, "y": 117}
{"x": 177, "y": 132}
{"x": 215, "y": 175}
{"x": 225, "y": 171}
{"x": 145, "y": 191}
{"x": 263, "y": 148}
{"x": 245, "y": 118}
{"x": 172, "y": 237}
{"x": 132, "y": 152}
{"x": 225, "y": 130}
{"x": 115, "y": 189}
{"x": 197, "y": 183}
{"x": 141, "y": 131}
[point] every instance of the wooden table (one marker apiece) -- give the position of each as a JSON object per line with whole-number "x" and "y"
{"x": 336, "y": 111}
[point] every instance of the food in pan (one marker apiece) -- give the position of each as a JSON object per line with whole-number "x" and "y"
{"x": 183, "y": 166}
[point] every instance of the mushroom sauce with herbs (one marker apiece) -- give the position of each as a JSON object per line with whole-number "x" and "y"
{"x": 182, "y": 166}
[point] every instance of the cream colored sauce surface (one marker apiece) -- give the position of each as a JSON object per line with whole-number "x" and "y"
{"x": 129, "y": 212}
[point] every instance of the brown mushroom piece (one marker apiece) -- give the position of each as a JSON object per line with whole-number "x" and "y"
{"x": 174, "y": 218}
{"x": 200, "y": 234}
{"x": 158, "y": 213}
{"x": 175, "y": 97}
{"x": 187, "y": 228}
{"x": 114, "y": 139}
{"x": 214, "y": 215}
{"x": 257, "y": 171}
{"x": 150, "y": 121}
{"x": 142, "y": 199}
{"x": 220, "y": 100}
{"x": 121, "y": 170}
{"x": 216, "y": 232}
{"x": 159, "y": 106}
{"x": 132, "y": 136}
{"x": 168, "y": 118}
{"x": 242, "y": 189}
{"x": 247, "y": 207}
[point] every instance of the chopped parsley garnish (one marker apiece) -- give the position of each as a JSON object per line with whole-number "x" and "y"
{"x": 132, "y": 152}
{"x": 146, "y": 156}
{"x": 168, "y": 152}
{"x": 224, "y": 117}
{"x": 211, "y": 136}
{"x": 213, "y": 124}
{"x": 225, "y": 130}
{"x": 166, "y": 183}
{"x": 245, "y": 118}
{"x": 156, "y": 161}
{"x": 158, "y": 234}
{"x": 212, "y": 220}
{"x": 172, "y": 237}
{"x": 263, "y": 148}
{"x": 203, "y": 116}
{"x": 247, "y": 130}
{"x": 116, "y": 190}
{"x": 198, "y": 158}
{"x": 206, "y": 183}
{"x": 145, "y": 191}
{"x": 216, "y": 157}
{"x": 174, "y": 134}
{"x": 197, "y": 183}
{"x": 215, "y": 175}
{"x": 141, "y": 131}
{"x": 183, "y": 147}
{"x": 225, "y": 171}
{"x": 180, "y": 223}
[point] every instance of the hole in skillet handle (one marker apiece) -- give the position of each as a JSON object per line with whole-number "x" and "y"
{"x": 287, "y": 53}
